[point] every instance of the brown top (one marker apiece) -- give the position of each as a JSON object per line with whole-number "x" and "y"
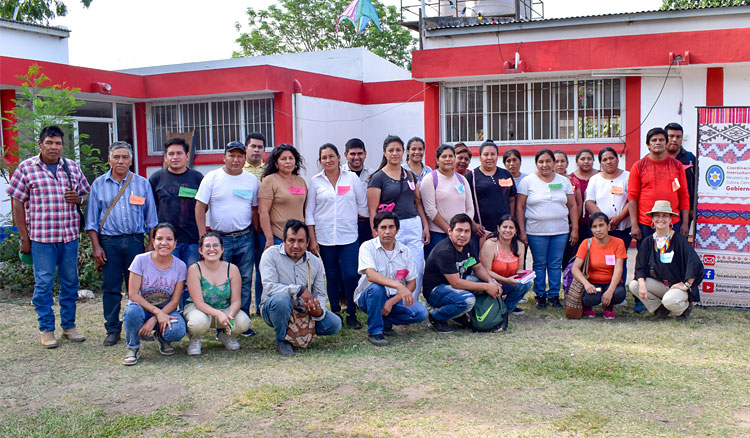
{"x": 287, "y": 201}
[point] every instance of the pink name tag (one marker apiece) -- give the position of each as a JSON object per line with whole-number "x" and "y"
{"x": 297, "y": 190}
{"x": 401, "y": 274}
{"x": 609, "y": 259}
{"x": 343, "y": 190}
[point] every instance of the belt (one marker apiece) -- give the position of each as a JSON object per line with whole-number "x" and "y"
{"x": 238, "y": 233}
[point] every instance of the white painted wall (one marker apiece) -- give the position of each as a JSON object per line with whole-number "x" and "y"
{"x": 737, "y": 85}
{"x": 32, "y": 42}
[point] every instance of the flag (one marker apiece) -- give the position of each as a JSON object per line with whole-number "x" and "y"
{"x": 360, "y": 13}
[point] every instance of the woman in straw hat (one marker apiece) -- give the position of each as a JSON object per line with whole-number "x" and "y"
{"x": 667, "y": 270}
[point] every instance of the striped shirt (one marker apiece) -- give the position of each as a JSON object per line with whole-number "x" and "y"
{"x": 127, "y": 217}
{"x": 49, "y": 218}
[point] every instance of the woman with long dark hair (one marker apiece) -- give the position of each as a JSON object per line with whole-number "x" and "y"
{"x": 414, "y": 155}
{"x": 335, "y": 200}
{"x": 282, "y": 194}
{"x": 503, "y": 257}
{"x": 393, "y": 188}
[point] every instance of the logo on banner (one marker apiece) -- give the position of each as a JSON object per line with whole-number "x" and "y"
{"x": 709, "y": 260}
{"x": 709, "y": 274}
{"x": 715, "y": 176}
{"x": 708, "y": 288}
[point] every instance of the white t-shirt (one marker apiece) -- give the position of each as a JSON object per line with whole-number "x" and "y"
{"x": 610, "y": 195}
{"x": 230, "y": 199}
{"x": 546, "y": 204}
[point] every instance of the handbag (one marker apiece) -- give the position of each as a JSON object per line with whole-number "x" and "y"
{"x": 301, "y": 330}
{"x": 81, "y": 218}
{"x": 574, "y": 294}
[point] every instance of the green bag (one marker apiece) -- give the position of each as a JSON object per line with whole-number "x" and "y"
{"x": 489, "y": 314}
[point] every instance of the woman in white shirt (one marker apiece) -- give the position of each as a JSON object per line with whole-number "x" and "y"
{"x": 607, "y": 192}
{"x": 335, "y": 199}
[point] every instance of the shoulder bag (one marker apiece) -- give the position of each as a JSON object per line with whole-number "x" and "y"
{"x": 81, "y": 218}
{"x": 574, "y": 294}
{"x": 301, "y": 330}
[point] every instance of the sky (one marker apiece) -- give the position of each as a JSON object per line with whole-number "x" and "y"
{"x": 120, "y": 34}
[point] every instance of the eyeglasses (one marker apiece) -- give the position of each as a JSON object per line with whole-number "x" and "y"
{"x": 212, "y": 245}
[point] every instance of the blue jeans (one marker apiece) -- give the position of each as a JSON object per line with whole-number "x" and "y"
{"x": 340, "y": 264}
{"x": 135, "y": 316}
{"x": 364, "y": 231}
{"x": 435, "y": 238}
{"x": 513, "y": 294}
{"x": 547, "y": 252}
{"x": 240, "y": 252}
{"x": 188, "y": 253}
{"x": 277, "y": 310}
{"x": 448, "y": 303}
{"x": 260, "y": 245}
{"x": 372, "y": 300}
{"x": 48, "y": 257}
{"x": 120, "y": 252}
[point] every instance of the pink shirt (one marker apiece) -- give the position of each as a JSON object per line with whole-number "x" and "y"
{"x": 451, "y": 197}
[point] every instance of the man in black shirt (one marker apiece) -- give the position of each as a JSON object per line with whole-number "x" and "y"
{"x": 174, "y": 192}
{"x": 447, "y": 289}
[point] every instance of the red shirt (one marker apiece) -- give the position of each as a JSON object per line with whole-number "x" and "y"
{"x": 652, "y": 181}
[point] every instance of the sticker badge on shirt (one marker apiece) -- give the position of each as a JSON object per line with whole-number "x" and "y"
{"x": 609, "y": 259}
{"x": 187, "y": 192}
{"x": 616, "y": 190}
{"x": 244, "y": 194}
{"x": 386, "y": 207}
{"x": 554, "y": 187}
{"x": 666, "y": 257}
{"x": 460, "y": 189}
{"x": 294, "y": 190}
{"x": 401, "y": 274}
{"x": 137, "y": 200}
{"x": 411, "y": 185}
{"x": 471, "y": 261}
{"x": 675, "y": 185}
{"x": 687, "y": 166}
{"x": 507, "y": 182}
{"x": 343, "y": 190}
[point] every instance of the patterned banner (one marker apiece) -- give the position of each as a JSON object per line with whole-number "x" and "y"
{"x": 723, "y": 115}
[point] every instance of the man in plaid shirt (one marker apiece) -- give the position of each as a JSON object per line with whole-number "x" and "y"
{"x": 46, "y": 189}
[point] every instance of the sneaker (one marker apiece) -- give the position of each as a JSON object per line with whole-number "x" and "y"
{"x": 131, "y": 357}
{"x": 194, "y": 347}
{"x": 589, "y": 312}
{"x": 639, "y": 307}
{"x": 660, "y": 313}
{"x": 352, "y": 322}
{"x": 377, "y": 340}
{"x": 389, "y": 332}
{"x": 285, "y": 349}
{"x": 518, "y": 311}
{"x": 522, "y": 301}
{"x": 230, "y": 343}
{"x": 439, "y": 326}
{"x": 73, "y": 335}
{"x": 246, "y": 333}
{"x": 165, "y": 348}
{"x": 686, "y": 314}
{"x": 555, "y": 302}
{"x": 609, "y": 313}
{"x": 111, "y": 339}
{"x": 48, "y": 339}
{"x": 541, "y": 303}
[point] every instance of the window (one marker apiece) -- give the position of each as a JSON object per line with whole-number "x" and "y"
{"x": 556, "y": 110}
{"x": 214, "y": 123}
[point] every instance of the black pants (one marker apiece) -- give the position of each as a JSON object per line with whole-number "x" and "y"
{"x": 592, "y": 300}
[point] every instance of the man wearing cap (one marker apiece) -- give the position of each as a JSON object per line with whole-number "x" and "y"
{"x": 667, "y": 268}
{"x": 231, "y": 197}
{"x": 46, "y": 189}
{"x": 121, "y": 210}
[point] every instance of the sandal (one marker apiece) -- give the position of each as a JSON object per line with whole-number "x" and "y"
{"x": 132, "y": 356}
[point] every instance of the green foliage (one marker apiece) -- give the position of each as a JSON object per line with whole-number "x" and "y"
{"x": 310, "y": 25}
{"x": 696, "y": 4}
{"x": 35, "y": 11}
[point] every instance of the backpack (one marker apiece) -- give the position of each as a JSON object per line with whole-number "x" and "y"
{"x": 435, "y": 178}
{"x": 489, "y": 314}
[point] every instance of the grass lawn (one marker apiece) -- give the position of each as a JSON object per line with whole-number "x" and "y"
{"x": 546, "y": 377}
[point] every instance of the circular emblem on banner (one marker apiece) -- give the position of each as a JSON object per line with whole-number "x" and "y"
{"x": 715, "y": 176}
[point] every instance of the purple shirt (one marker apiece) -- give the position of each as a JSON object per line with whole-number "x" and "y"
{"x": 157, "y": 285}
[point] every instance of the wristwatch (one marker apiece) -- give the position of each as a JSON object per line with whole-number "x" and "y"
{"x": 687, "y": 285}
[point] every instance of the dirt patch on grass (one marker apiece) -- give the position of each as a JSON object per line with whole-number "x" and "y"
{"x": 743, "y": 417}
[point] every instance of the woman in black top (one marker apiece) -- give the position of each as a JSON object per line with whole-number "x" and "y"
{"x": 393, "y": 188}
{"x": 667, "y": 268}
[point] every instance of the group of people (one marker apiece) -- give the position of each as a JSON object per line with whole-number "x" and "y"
{"x": 369, "y": 239}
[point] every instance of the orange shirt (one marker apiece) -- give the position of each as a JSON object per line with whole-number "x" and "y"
{"x": 602, "y": 258}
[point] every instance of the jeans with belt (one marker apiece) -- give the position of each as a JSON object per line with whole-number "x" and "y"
{"x": 120, "y": 252}
{"x": 239, "y": 249}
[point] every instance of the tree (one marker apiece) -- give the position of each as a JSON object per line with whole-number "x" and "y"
{"x": 696, "y": 4}
{"x": 35, "y": 11}
{"x": 310, "y": 25}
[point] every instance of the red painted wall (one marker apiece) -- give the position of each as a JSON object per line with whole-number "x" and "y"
{"x": 714, "y": 86}
{"x": 9, "y": 136}
{"x": 632, "y": 121}
{"x": 431, "y": 121}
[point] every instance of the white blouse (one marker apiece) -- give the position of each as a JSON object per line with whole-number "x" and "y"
{"x": 333, "y": 210}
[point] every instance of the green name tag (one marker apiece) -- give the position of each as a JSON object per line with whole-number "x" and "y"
{"x": 186, "y": 192}
{"x": 557, "y": 186}
{"x": 471, "y": 261}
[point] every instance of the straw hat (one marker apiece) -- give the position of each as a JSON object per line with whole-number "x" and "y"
{"x": 661, "y": 207}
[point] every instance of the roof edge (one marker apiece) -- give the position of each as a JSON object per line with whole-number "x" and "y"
{"x": 35, "y": 28}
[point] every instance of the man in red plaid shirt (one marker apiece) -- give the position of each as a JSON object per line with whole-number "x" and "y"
{"x": 46, "y": 189}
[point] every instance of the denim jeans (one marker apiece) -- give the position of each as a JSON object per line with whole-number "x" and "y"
{"x": 120, "y": 252}
{"x": 135, "y": 316}
{"x": 260, "y": 245}
{"x": 240, "y": 251}
{"x": 435, "y": 238}
{"x": 513, "y": 294}
{"x": 592, "y": 300}
{"x": 340, "y": 264}
{"x": 448, "y": 303}
{"x": 48, "y": 257}
{"x": 547, "y": 252}
{"x": 372, "y": 300}
{"x": 188, "y": 253}
{"x": 364, "y": 231}
{"x": 277, "y": 310}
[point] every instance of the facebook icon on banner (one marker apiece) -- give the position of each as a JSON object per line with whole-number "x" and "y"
{"x": 709, "y": 275}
